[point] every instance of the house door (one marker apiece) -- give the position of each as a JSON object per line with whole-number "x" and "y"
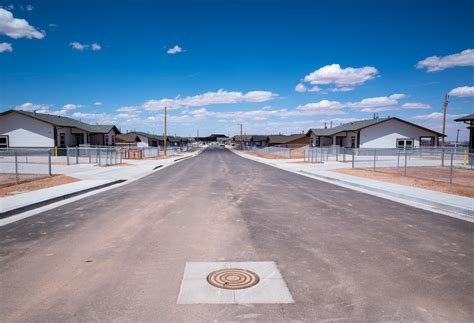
{"x": 79, "y": 139}
{"x": 339, "y": 141}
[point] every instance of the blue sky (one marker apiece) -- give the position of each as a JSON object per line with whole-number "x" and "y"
{"x": 275, "y": 66}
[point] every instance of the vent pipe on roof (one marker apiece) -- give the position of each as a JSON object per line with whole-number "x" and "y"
{"x": 330, "y": 125}
{"x": 325, "y": 126}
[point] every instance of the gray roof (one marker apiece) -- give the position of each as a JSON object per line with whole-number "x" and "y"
{"x": 469, "y": 117}
{"x": 259, "y": 138}
{"x": 282, "y": 139}
{"x": 129, "y": 137}
{"x": 358, "y": 125}
{"x": 62, "y": 121}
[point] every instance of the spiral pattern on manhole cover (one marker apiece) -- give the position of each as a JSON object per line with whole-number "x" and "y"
{"x": 233, "y": 278}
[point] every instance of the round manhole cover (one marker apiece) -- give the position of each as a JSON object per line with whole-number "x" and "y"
{"x": 233, "y": 278}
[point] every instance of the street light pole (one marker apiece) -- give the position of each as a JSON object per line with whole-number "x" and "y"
{"x": 164, "y": 135}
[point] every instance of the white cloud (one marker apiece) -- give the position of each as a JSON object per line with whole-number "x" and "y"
{"x": 70, "y": 106}
{"x": 381, "y": 101}
{"x": 175, "y": 50}
{"x": 98, "y": 103}
{"x": 81, "y": 47}
{"x": 10, "y": 7}
{"x": 128, "y": 109}
{"x": 415, "y": 105}
{"x": 6, "y": 47}
{"x": 300, "y": 87}
{"x": 29, "y": 7}
{"x": 17, "y": 28}
{"x": 397, "y": 96}
{"x": 342, "y": 89}
{"x": 341, "y": 77}
{"x": 462, "y": 91}
{"x": 383, "y": 109}
{"x": 322, "y": 106}
{"x": 96, "y": 47}
{"x": 209, "y": 98}
{"x": 41, "y": 108}
{"x": 435, "y": 116}
{"x": 439, "y": 63}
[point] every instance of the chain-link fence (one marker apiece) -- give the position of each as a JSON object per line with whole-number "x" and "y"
{"x": 450, "y": 165}
{"x": 23, "y": 165}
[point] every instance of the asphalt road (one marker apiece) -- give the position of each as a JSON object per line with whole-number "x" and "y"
{"x": 344, "y": 255}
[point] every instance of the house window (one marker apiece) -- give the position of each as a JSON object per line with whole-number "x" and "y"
{"x": 106, "y": 140}
{"x": 405, "y": 143}
{"x": 112, "y": 139}
{"x": 3, "y": 141}
{"x": 426, "y": 141}
{"x": 62, "y": 139}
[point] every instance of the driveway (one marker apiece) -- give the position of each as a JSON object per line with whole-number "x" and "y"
{"x": 344, "y": 255}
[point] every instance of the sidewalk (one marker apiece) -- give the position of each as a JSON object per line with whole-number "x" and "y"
{"x": 439, "y": 202}
{"x": 92, "y": 178}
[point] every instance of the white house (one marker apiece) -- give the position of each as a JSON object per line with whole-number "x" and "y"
{"x": 375, "y": 133}
{"x": 30, "y": 129}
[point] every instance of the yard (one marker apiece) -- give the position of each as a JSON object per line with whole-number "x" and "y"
{"x": 431, "y": 178}
{"x": 31, "y": 182}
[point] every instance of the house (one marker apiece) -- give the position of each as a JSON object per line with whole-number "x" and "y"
{"x": 469, "y": 120}
{"x": 388, "y": 132}
{"x": 129, "y": 140}
{"x": 258, "y": 141}
{"x": 31, "y": 129}
{"x": 288, "y": 141}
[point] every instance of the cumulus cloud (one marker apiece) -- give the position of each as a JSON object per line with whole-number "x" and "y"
{"x": 462, "y": 91}
{"x": 6, "y": 47}
{"x": 98, "y": 103}
{"x": 416, "y": 105}
{"x": 17, "y": 28}
{"x": 81, "y": 47}
{"x": 70, "y": 106}
{"x": 175, "y": 50}
{"x": 439, "y": 63}
{"x": 343, "y": 79}
{"x": 128, "y": 109}
{"x": 29, "y": 7}
{"x": 28, "y": 106}
{"x": 300, "y": 87}
{"x": 381, "y": 101}
{"x": 323, "y": 106}
{"x": 209, "y": 98}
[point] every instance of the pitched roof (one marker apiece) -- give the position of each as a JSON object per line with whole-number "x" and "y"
{"x": 283, "y": 139}
{"x": 62, "y": 121}
{"x": 258, "y": 138}
{"x": 129, "y": 137}
{"x": 469, "y": 117}
{"x": 358, "y": 125}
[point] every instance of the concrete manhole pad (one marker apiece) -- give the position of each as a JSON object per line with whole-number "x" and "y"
{"x": 266, "y": 287}
{"x": 233, "y": 278}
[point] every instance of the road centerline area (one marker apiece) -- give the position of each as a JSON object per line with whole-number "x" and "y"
{"x": 121, "y": 254}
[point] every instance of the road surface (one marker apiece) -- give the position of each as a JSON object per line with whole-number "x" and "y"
{"x": 344, "y": 255}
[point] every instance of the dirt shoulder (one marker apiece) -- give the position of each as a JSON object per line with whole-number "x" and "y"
{"x": 37, "y": 184}
{"x": 390, "y": 175}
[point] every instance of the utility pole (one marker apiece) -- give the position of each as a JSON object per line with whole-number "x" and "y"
{"x": 445, "y": 105}
{"x": 457, "y": 136}
{"x": 241, "y": 138}
{"x": 164, "y": 135}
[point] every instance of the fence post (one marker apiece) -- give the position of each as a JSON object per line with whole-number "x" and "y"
{"x": 90, "y": 156}
{"x": 337, "y": 154}
{"x": 451, "y": 170}
{"x": 442, "y": 157}
{"x": 406, "y": 157}
{"x": 49, "y": 161}
{"x": 67, "y": 154}
{"x": 77, "y": 155}
{"x": 16, "y": 168}
{"x": 344, "y": 155}
{"x": 352, "y": 156}
{"x": 398, "y": 158}
{"x": 375, "y": 157}
{"x": 100, "y": 159}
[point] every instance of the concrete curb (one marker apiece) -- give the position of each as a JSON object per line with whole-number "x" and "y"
{"x": 442, "y": 208}
{"x": 32, "y": 206}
